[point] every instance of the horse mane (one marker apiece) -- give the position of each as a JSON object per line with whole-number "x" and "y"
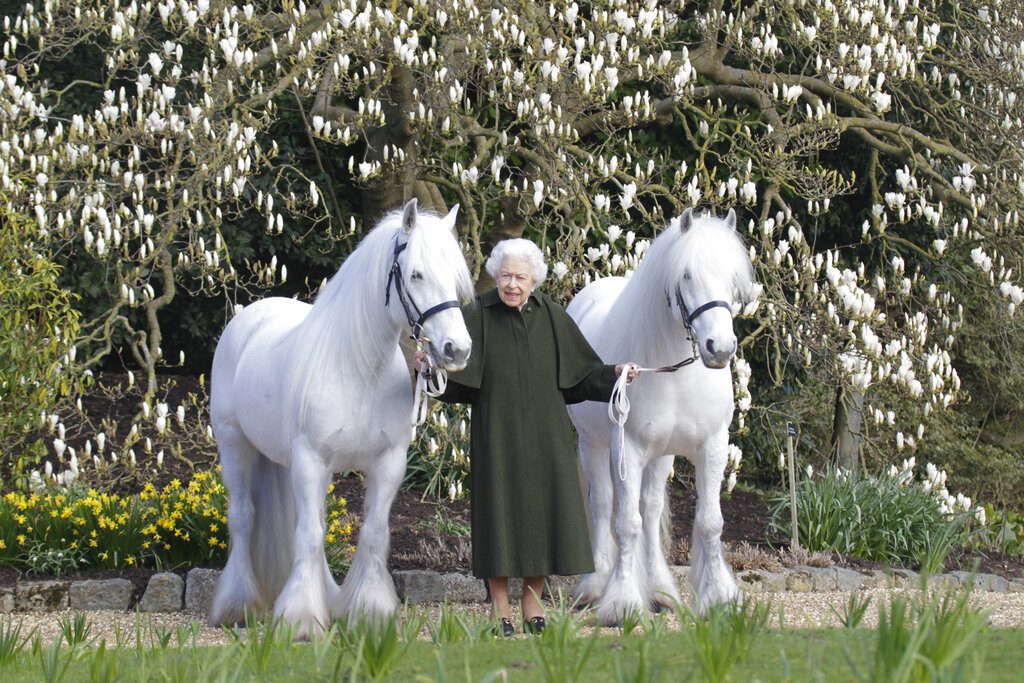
{"x": 640, "y": 318}
{"x": 348, "y": 331}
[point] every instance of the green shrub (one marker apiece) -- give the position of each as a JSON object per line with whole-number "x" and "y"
{"x": 1003, "y": 533}
{"x": 37, "y": 328}
{"x": 885, "y": 519}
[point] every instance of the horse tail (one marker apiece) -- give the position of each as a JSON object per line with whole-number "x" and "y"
{"x": 273, "y": 526}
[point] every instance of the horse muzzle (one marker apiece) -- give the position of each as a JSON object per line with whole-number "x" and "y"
{"x": 717, "y": 354}
{"x": 452, "y": 356}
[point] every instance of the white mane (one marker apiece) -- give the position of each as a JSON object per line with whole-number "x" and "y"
{"x": 348, "y": 332}
{"x": 640, "y": 322}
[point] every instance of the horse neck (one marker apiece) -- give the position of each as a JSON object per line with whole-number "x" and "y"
{"x": 642, "y": 327}
{"x": 349, "y": 332}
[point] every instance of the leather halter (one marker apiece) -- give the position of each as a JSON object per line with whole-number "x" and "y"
{"x": 413, "y": 314}
{"x": 688, "y": 319}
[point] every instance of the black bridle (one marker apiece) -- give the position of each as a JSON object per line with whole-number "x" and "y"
{"x": 688, "y": 319}
{"x": 413, "y": 314}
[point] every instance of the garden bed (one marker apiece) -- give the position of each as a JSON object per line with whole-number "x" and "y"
{"x": 425, "y": 534}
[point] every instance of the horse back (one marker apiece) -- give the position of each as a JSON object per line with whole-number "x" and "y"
{"x": 248, "y": 338}
{"x": 590, "y": 307}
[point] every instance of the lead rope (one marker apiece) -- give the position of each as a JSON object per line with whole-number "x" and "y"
{"x": 618, "y": 404}
{"x": 431, "y": 380}
{"x": 618, "y": 412}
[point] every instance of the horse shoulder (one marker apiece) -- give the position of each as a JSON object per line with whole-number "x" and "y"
{"x": 592, "y": 303}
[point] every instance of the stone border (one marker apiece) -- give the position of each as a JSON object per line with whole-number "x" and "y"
{"x": 167, "y": 592}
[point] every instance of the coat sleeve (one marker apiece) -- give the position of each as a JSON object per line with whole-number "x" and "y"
{"x": 582, "y": 375}
{"x": 464, "y": 385}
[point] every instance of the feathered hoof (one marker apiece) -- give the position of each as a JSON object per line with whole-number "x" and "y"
{"x": 302, "y": 626}
{"x": 304, "y": 614}
{"x": 664, "y": 599}
{"x": 231, "y": 608}
{"x": 719, "y": 598}
{"x": 374, "y": 601}
{"x": 613, "y": 612}
{"x": 228, "y": 617}
{"x": 588, "y": 590}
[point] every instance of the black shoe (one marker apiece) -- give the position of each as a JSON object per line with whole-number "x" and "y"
{"x": 507, "y": 629}
{"x": 534, "y": 626}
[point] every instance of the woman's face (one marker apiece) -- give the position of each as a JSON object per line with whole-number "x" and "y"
{"x": 515, "y": 282}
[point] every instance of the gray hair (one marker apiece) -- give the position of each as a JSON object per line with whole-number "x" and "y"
{"x": 521, "y": 249}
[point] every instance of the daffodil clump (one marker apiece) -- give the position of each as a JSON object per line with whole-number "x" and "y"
{"x": 180, "y": 524}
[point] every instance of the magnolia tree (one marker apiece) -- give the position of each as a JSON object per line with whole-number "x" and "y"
{"x": 873, "y": 149}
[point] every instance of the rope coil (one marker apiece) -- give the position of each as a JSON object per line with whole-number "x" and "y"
{"x": 431, "y": 380}
{"x": 618, "y": 404}
{"x": 618, "y": 412}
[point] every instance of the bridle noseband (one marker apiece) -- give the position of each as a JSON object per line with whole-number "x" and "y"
{"x": 413, "y": 314}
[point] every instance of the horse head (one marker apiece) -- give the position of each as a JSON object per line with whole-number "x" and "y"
{"x": 430, "y": 276}
{"x": 714, "y": 272}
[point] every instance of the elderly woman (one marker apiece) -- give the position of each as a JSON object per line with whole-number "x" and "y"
{"x": 529, "y": 360}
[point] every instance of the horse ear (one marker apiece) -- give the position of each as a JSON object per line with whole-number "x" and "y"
{"x": 730, "y": 219}
{"x": 452, "y": 217}
{"x": 409, "y": 216}
{"x": 686, "y": 220}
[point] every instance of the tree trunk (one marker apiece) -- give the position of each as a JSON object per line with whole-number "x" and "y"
{"x": 847, "y": 437}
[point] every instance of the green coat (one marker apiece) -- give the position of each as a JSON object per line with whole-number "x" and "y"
{"x": 527, "y": 509}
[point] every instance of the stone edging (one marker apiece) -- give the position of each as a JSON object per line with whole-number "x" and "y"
{"x": 167, "y": 592}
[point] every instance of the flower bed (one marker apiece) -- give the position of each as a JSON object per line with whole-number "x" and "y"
{"x": 50, "y": 532}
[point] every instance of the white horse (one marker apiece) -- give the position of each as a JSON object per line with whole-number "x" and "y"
{"x": 676, "y": 306}
{"x": 302, "y": 391}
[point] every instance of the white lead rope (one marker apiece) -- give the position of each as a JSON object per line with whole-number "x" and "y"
{"x": 433, "y": 387}
{"x": 618, "y": 404}
{"x": 618, "y": 411}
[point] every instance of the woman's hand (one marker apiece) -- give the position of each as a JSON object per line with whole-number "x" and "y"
{"x": 632, "y": 370}
{"x": 418, "y": 358}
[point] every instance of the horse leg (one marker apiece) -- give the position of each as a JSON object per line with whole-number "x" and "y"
{"x": 303, "y": 601}
{"x": 652, "y": 505}
{"x": 237, "y": 589}
{"x": 712, "y": 579}
{"x": 624, "y": 592}
{"x": 368, "y": 589}
{"x": 593, "y": 461}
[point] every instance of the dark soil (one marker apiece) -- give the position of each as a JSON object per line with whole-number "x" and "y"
{"x": 424, "y": 534}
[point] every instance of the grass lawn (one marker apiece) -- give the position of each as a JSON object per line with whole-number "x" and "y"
{"x": 719, "y": 648}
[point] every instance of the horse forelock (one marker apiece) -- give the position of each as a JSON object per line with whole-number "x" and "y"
{"x": 712, "y": 251}
{"x": 433, "y": 249}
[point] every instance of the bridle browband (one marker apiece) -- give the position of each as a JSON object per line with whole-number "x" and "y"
{"x": 413, "y": 314}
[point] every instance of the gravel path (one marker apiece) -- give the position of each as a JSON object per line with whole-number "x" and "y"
{"x": 802, "y": 610}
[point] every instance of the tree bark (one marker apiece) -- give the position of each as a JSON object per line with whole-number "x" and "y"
{"x": 847, "y": 435}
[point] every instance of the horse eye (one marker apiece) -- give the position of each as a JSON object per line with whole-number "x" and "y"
{"x": 416, "y": 275}
{"x": 686, "y": 276}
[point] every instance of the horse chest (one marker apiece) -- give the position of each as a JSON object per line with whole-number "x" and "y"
{"x": 670, "y": 419}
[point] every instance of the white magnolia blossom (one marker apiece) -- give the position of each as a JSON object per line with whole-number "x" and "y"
{"x": 138, "y": 168}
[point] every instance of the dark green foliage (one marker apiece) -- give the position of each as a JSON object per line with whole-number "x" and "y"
{"x": 38, "y": 325}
